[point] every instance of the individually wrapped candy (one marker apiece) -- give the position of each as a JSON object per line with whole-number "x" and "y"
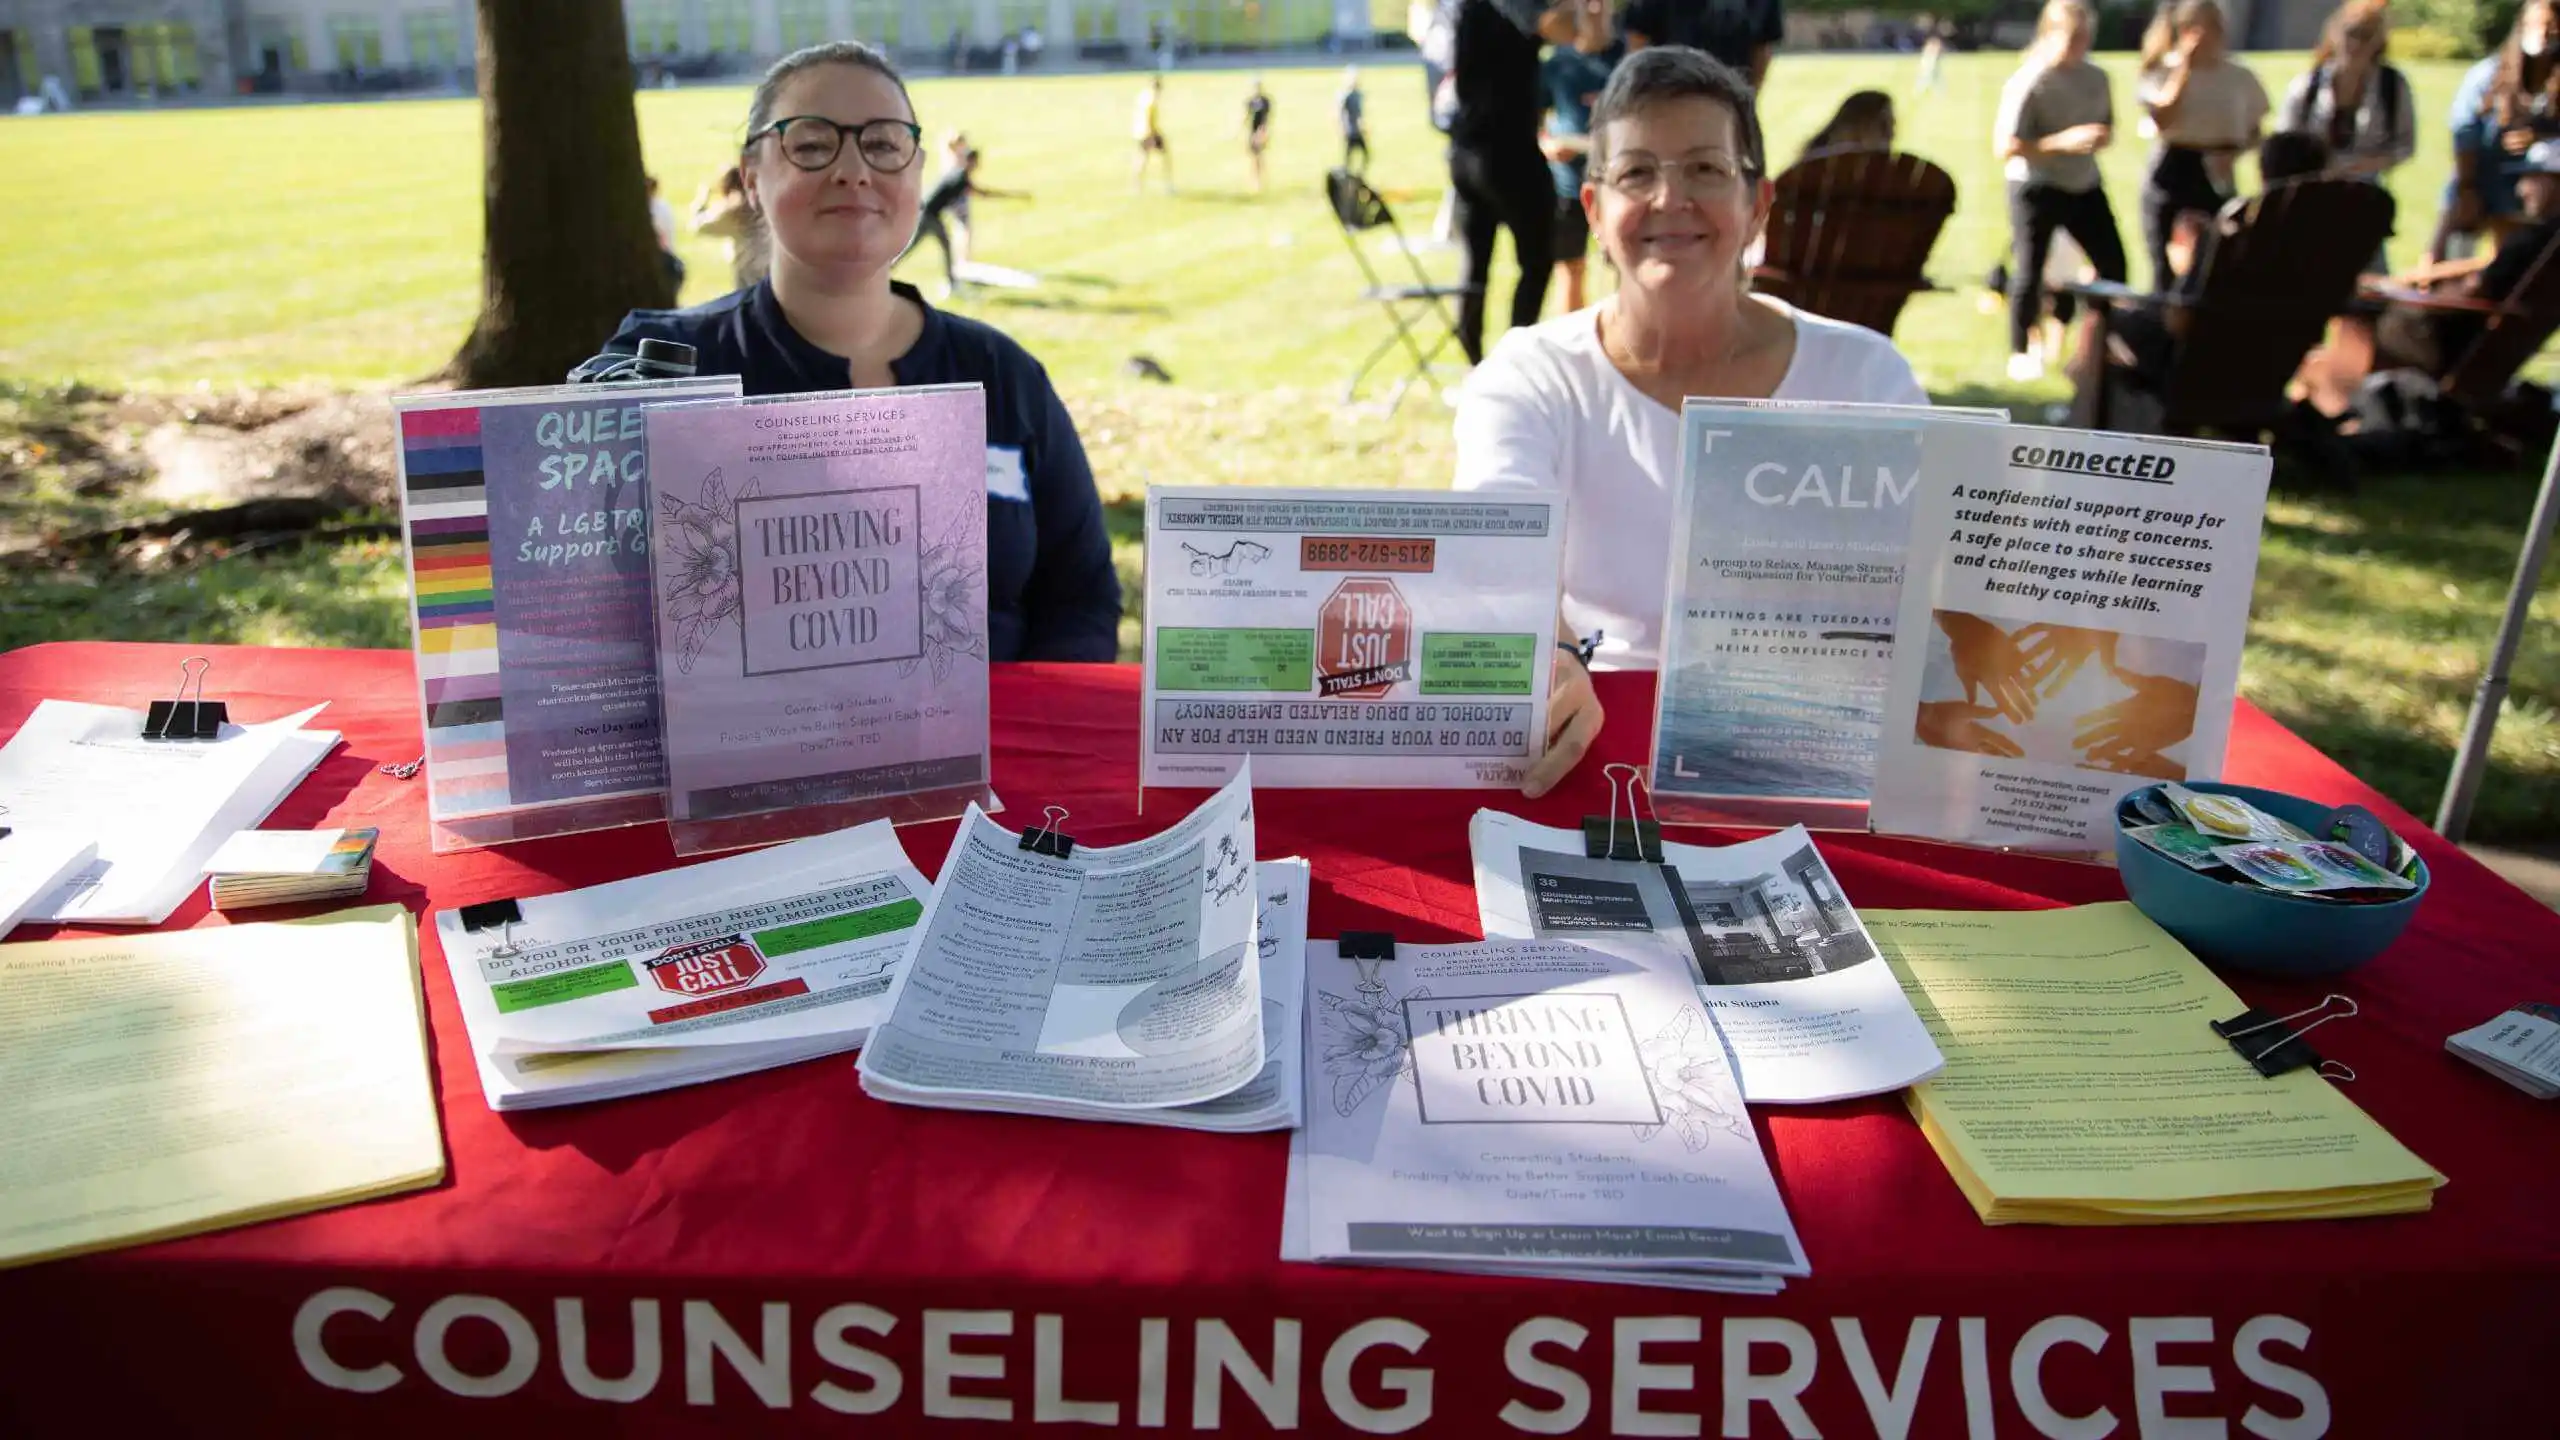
{"x": 2305, "y": 866}
{"x": 2187, "y": 846}
{"x": 2229, "y": 816}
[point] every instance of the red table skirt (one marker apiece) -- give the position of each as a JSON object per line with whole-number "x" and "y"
{"x": 781, "y": 1253}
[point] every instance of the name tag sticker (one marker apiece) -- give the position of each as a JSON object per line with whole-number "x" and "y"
{"x": 1005, "y": 477}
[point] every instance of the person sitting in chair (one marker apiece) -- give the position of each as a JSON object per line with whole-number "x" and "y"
{"x": 2412, "y": 337}
{"x": 2142, "y": 343}
{"x": 1589, "y": 404}
{"x": 832, "y": 176}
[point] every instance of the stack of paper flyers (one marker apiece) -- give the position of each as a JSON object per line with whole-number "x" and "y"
{"x": 151, "y": 812}
{"x": 285, "y": 867}
{"x": 1109, "y": 983}
{"x": 703, "y": 972}
{"x": 1762, "y": 929}
{"x": 1528, "y": 1108}
{"x": 2085, "y": 1085}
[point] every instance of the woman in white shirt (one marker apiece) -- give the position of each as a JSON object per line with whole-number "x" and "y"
{"x": 1588, "y": 404}
{"x": 2206, "y": 108}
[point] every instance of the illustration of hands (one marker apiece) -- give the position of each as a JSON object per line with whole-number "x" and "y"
{"x": 2129, "y": 735}
{"x": 1987, "y": 660}
{"x": 2053, "y": 654}
{"x": 1954, "y": 725}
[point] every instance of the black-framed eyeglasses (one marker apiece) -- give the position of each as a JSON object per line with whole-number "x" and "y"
{"x": 812, "y": 142}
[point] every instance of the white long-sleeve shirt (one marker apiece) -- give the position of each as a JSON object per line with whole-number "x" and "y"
{"x": 1548, "y": 410}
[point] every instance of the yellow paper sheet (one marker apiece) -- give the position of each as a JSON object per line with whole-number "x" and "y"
{"x": 2083, "y": 1076}
{"x": 165, "y": 1084}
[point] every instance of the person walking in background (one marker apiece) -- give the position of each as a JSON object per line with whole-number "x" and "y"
{"x": 1496, "y": 170}
{"x": 1741, "y": 33}
{"x": 2056, "y": 113}
{"x": 2505, "y": 103}
{"x": 1864, "y": 121}
{"x": 1257, "y": 130}
{"x": 2206, "y": 109}
{"x": 2352, "y": 98}
{"x": 946, "y": 208}
{"x": 1574, "y": 72}
{"x": 1146, "y": 125}
{"x": 1933, "y": 52}
{"x": 1352, "y": 108}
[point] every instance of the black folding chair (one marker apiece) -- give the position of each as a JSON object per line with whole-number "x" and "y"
{"x": 1411, "y": 308}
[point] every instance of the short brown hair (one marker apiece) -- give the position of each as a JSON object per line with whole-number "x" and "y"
{"x": 1659, "y": 73}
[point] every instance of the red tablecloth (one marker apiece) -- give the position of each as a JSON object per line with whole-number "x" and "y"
{"x": 779, "y": 1250}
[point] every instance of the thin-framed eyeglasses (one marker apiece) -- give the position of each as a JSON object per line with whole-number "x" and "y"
{"x": 812, "y": 142}
{"x": 1708, "y": 177}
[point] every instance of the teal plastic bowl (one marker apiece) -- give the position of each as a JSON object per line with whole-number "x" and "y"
{"x": 2250, "y": 928}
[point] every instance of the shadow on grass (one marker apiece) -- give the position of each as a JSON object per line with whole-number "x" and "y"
{"x": 349, "y": 596}
{"x": 2468, "y": 526}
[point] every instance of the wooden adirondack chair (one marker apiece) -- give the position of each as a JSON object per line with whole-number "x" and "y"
{"x": 1850, "y": 233}
{"x": 2523, "y": 323}
{"x": 2268, "y": 291}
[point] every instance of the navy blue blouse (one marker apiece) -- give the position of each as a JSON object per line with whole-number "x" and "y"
{"x": 1051, "y": 591}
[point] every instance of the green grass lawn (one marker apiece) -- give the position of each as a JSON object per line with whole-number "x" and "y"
{"x": 340, "y": 245}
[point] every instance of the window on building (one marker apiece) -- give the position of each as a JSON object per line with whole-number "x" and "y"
{"x": 732, "y": 27}
{"x": 355, "y": 42}
{"x": 1014, "y": 16}
{"x": 87, "y": 75}
{"x": 22, "y": 50}
{"x": 435, "y": 39}
{"x": 877, "y": 22}
{"x": 656, "y": 27}
{"x": 804, "y": 23}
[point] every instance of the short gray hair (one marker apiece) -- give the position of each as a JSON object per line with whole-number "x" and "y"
{"x": 839, "y": 52}
{"x": 1660, "y": 73}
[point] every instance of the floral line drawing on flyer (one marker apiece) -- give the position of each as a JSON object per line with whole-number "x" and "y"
{"x": 1372, "y": 1047}
{"x": 704, "y": 547}
{"x": 954, "y": 621}
{"x": 1685, "y": 1061}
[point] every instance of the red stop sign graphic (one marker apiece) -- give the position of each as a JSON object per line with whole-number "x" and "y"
{"x": 1364, "y": 640}
{"x": 707, "y": 968}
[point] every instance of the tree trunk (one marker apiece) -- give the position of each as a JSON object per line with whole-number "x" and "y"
{"x": 568, "y": 247}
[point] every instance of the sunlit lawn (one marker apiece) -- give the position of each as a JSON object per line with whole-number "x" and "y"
{"x": 340, "y": 244}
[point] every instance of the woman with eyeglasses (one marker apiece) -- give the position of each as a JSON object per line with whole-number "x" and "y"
{"x": 1589, "y": 403}
{"x": 832, "y": 178}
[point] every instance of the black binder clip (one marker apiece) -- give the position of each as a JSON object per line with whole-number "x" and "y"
{"x": 180, "y": 718}
{"x": 503, "y": 915}
{"x": 1366, "y": 945}
{"x": 1045, "y": 838}
{"x": 2288, "y": 1051}
{"x": 1633, "y": 838}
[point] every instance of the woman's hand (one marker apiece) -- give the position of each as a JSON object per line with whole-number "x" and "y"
{"x": 1573, "y": 721}
{"x": 1986, "y": 659}
{"x": 1954, "y": 725}
{"x": 2516, "y": 141}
